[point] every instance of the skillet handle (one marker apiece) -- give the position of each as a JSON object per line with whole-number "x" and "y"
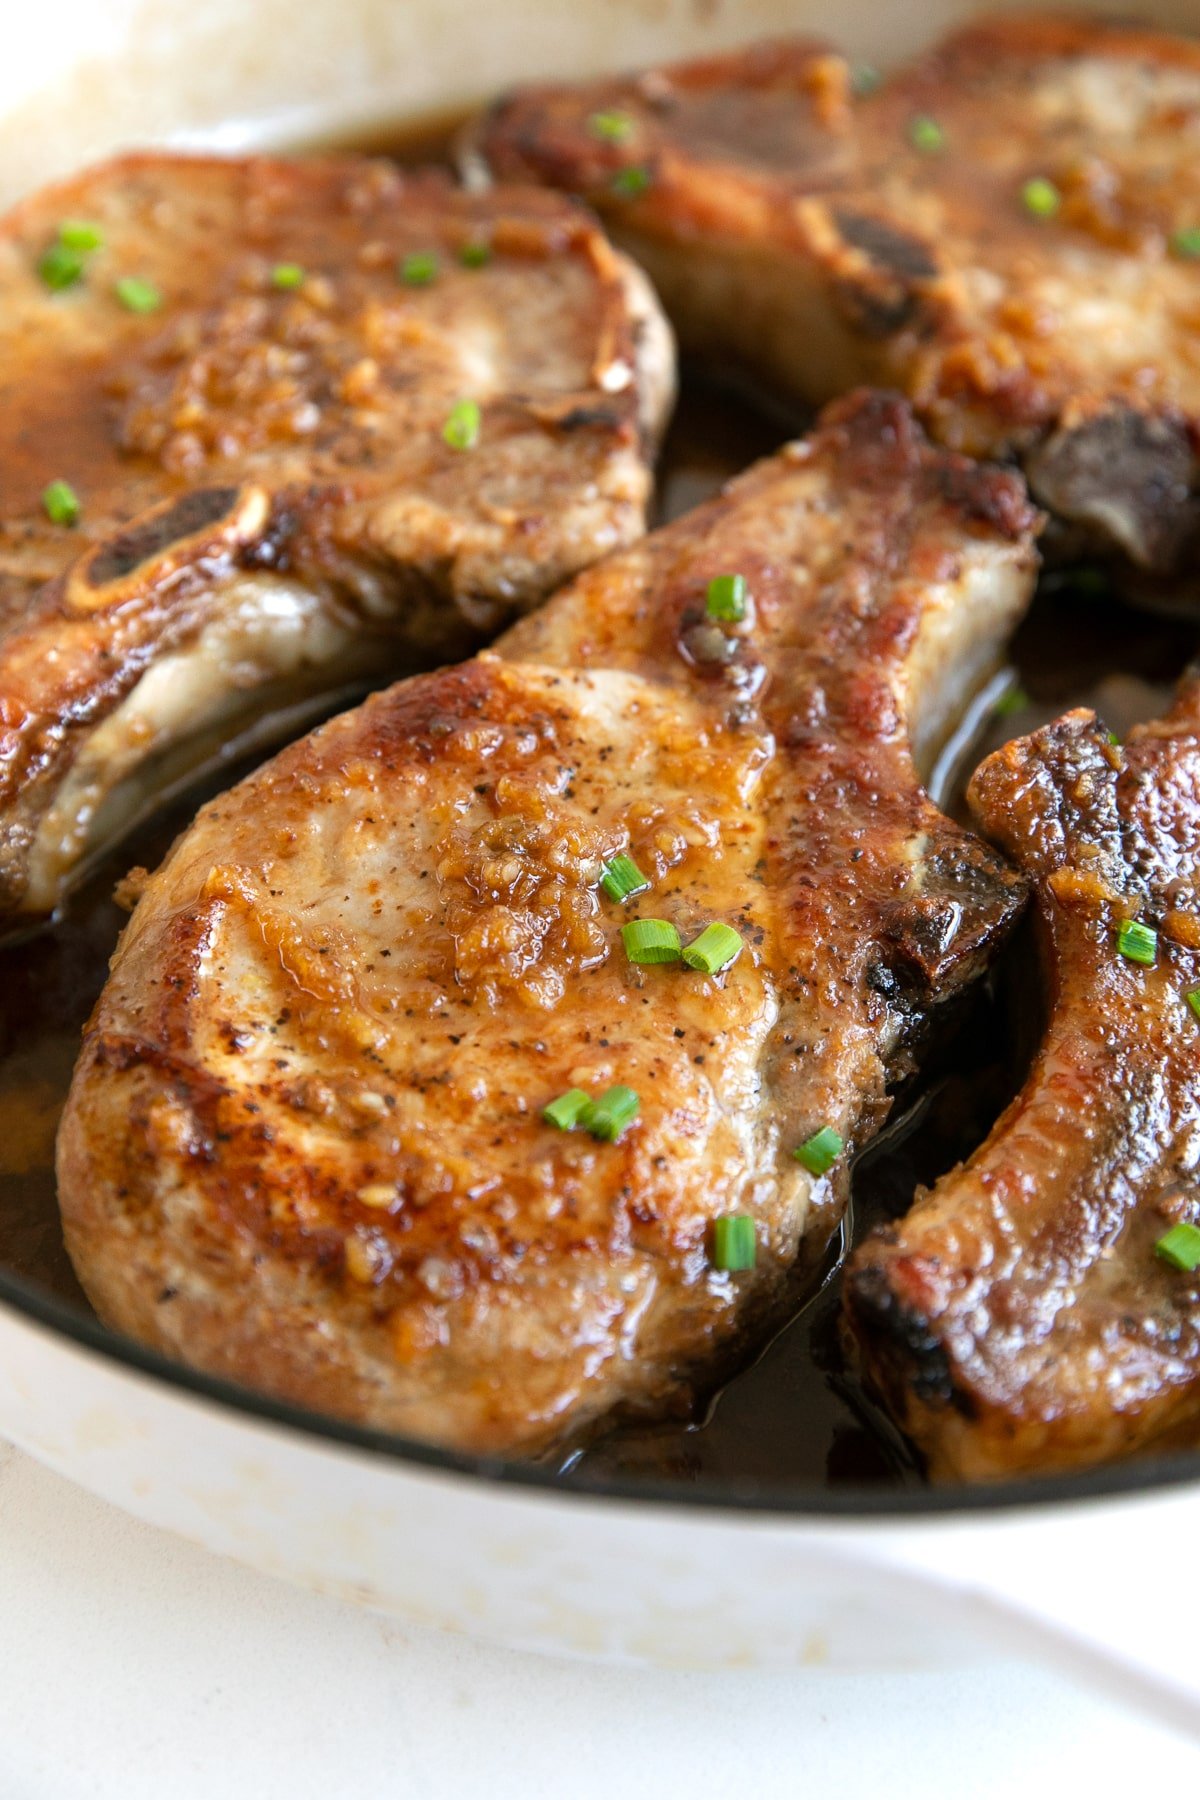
{"x": 1107, "y": 1588}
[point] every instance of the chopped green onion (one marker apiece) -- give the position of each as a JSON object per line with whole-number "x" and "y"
{"x": 287, "y": 275}
{"x": 419, "y": 269}
{"x": 631, "y": 182}
{"x": 461, "y": 430}
{"x": 621, "y": 878}
{"x": 61, "y": 503}
{"x": 80, "y": 234}
{"x": 726, "y": 597}
{"x": 475, "y": 254}
{"x": 1040, "y": 197}
{"x": 926, "y": 134}
{"x": 1137, "y": 941}
{"x": 650, "y": 941}
{"x": 138, "y": 296}
{"x": 565, "y": 1112}
{"x": 714, "y": 950}
{"x": 1193, "y": 999}
{"x": 1113, "y": 739}
{"x": 614, "y": 127}
{"x": 864, "y": 79}
{"x": 734, "y": 1242}
{"x": 821, "y": 1151}
{"x": 1180, "y": 1247}
{"x": 1186, "y": 243}
{"x": 608, "y": 1116}
{"x": 1015, "y": 700}
{"x": 61, "y": 267}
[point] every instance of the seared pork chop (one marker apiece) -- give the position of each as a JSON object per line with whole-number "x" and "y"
{"x": 1008, "y": 230}
{"x": 306, "y": 1144}
{"x": 311, "y": 417}
{"x": 1019, "y": 1318}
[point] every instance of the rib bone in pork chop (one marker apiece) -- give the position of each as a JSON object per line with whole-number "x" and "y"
{"x": 1008, "y": 230}
{"x": 1019, "y": 1318}
{"x": 313, "y": 417}
{"x": 305, "y": 1145}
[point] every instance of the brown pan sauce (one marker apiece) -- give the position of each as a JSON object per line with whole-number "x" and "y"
{"x": 795, "y": 1414}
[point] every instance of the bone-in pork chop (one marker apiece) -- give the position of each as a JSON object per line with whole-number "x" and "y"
{"x": 1021, "y": 1317}
{"x": 1008, "y": 230}
{"x": 266, "y": 426}
{"x": 307, "y": 1143}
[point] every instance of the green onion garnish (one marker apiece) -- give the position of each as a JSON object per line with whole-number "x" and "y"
{"x": 631, "y": 182}
{"x": 419, "y": 269}
{"x": 821, "y": 1151}
{"x": 80, "y": 234}
{"x": 926, "y": 134}
{"x": 714, "y": 950}
{"x": 565, "y": 1112}
{"x": 734, "y": 1242}
{"x": 1186, "y": 243}
{"x": 614, "y": 127}
{"x": 461, "y": 430}
{"x": 864, "y": 79}
{"x": 1180, "y": 1247}
{"x": 608, "y": 1116}
{"x": 474, "y": 255}
{"x": 1137, "y": 941}
{"x": 138, "y": 296}
{"x": 650, "y": 941}
{"x": 61, "y": 267}
{"x": 620, "y": 878}
{"x": 1193, "y": 999}
{"x": 725, "y": 597}
{"x": 287, "y": 275}
{"x": 1040, "y": 197}
{"x": 1014, "y": 701}
{"x": 61, "y": 503}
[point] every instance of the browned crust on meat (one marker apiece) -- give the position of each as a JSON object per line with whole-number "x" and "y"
{"x": 793, "y": 225}
{"x": 303, "y": 1146}
{"x": 1018, "y": 1319}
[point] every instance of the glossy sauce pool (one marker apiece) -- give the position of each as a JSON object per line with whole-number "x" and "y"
{"x": 794, "y": 1414}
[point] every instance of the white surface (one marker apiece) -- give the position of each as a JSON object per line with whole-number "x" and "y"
{"x": 136, "y": 1667}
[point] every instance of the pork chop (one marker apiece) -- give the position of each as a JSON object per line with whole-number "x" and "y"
{"x": 266, "y": 426}
{"x": 1019, "y": 1319}
{"x": 1008, "y": 230}
{"x": 307, "y": 1143}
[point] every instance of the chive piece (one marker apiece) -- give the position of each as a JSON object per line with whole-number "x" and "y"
{"x": 734, "y": 1242}
{"x": 1113, "y": 739}
{"x": 138, "y": 296}
{"x": 864, "y": 79}
{"x": 608, "y": 1116}
{"x": 650, "y": 941}
{"x": 725, "y": 598}
{"x": 1181, "y": 1248}
{"x": 61, "y": 503}
{"x": 614, "y": 127}
{"x": 631, "y": 182}
{"x": 1137, "y": 941}
{"x": 714, "y": 950}
{"x": 821, "y": 1150}
{"x": 1040, "y": 197}
{"x": 287, "y": 275}
{"x": 1193, "y": 999}
{"x": 419, "y": 269}
{"x": 80, "y": 234}
{"x": 461, "y": 430}
{"x": 621, "y": 878}
{"x": 1186, "y": 243}
{"x": 565, "y": 1112}
{"x": 475, "y": 255}
{"x": 926, "y": 135}
{"x": 61, "y": 267}
{"x": 1014, "y": 701}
